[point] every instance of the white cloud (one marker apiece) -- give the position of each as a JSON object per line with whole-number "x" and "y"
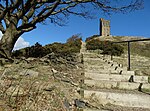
{"x": 21, "y": 43}
{"x": 1, "y": 34}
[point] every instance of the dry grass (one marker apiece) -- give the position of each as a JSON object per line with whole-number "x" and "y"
{"x": 42, "y": 93}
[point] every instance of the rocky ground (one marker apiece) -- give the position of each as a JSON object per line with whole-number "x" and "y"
{"x": 52, "y": 83}
{"x": 47, "y": 84}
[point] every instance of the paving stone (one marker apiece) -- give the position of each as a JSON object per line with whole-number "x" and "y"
{"x": 116, "y": 85}
{"x": 95, "y": 110}
{"x": 122, "y": 99}
{"x": 114, "y": 77}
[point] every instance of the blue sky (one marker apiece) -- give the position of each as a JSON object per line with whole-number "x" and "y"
{"x": 135, "y": 23}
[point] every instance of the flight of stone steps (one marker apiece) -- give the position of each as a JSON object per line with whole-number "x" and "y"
{"x": 107, "y": 82}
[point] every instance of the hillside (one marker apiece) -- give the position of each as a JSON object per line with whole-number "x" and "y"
{"x": 42, "y": 78}
{"x": 108, "y": 83}
{"x": 139, "y": 48}
{"x": 49, "y": 83}
{"x": 140, "y": 53}
{"x": 54, "y": 78}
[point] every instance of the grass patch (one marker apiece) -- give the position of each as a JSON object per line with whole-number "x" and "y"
{"x": 106, "y": 46}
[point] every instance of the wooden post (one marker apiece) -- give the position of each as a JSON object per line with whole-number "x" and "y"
{"x": 128, "y": 56}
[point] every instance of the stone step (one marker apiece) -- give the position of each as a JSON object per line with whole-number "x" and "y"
{"x": 95, "y": 110}
{"x": 115, "y": 77}
{"x": 91, "y": 55}
{"x": 86, "y": 63}
{"x": 82, "y": 50}
{"x": 105, "y": 66}
{"x": 102, "y": 71}
{"x": 98, "y": 57}
{"x": 117, "y": 85}
{"x": 94, "y": 60}
{"x": 100, "y": 68}
{"x": 101, "y": 62}
{"x": 122, "y": 98}
{"x": 96, "y": 63}
{"x": 111, "y": 107}
{"x": 94, "y": 67}
{"x": 125, "y": 72}
{"x": 110, "y": 70}
{"x": 115, "y": 67}
{"x": 95, "y": 51}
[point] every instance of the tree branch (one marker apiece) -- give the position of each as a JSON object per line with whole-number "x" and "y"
{"x": 9, "y": 9}
{"x": 29, "y": 15}
{"x": 82, "y": 14}
{"x": 26, "y": 28}
{"x": 44, "y": 16}
{"x": 25, "y": 8}
{"x": 32, "y": 12}
{"x": 65, "y": 8}
{"x": 106, "y": 8}
{"x": 46, "y": 1}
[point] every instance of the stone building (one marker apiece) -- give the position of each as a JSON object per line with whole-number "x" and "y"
{"x": 104, "y": 27}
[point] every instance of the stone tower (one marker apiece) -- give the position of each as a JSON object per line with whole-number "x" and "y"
{"x": 104, "y": 27}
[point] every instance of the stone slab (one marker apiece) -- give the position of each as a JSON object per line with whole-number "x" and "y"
{"x": 116, "y": 85}
{"x": 95, "y": 110}
{"x": 103, "y": 71}
{"x": 115, "y": 77}
{"x": 128, "y": 72}
{"x": 103, "y": 66}
{"x": 108, "y": 69}
{"x": 116, "y": 98}
{"x": 94, "y": 62}
{"x": 90, "y": 55}
{"x": 95, "y": 59}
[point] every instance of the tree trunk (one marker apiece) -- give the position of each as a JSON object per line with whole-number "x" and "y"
{"x": 7, "y": 43}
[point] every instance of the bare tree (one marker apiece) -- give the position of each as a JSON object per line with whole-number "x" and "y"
{"x": 20, "y": 16}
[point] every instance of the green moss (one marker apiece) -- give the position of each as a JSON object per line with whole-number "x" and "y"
{"x": 145, "y": 90}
